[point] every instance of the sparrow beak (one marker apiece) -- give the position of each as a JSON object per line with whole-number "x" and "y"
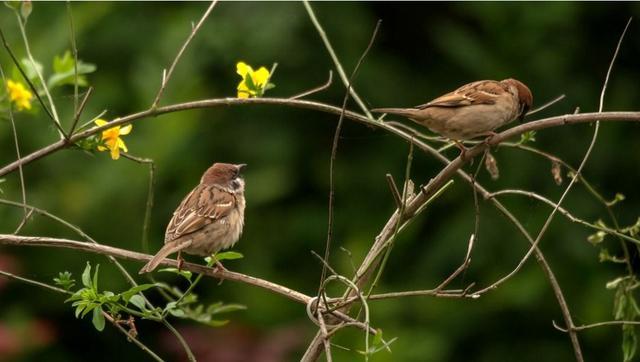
{"x": 240, "y": 166}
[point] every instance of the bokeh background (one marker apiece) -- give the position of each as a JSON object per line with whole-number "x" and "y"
{"x": 422, "y": 51}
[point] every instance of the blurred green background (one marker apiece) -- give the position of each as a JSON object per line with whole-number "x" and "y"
{"x": 422, "y": 51}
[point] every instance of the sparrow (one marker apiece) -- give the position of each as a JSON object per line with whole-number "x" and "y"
{"x": 475, "y": 109}
{"x": 209, "y": 219}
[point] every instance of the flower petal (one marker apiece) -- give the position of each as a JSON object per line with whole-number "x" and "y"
{"x": 100, "y": 122}
{"x": 260, "y": 77}
{"x": 115, "y": 153}
{"x": 243, "y": 69}
{"x": 125, "y": 130}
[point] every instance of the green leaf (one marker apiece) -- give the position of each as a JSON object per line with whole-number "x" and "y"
{"x": 138, "y": 301}
{"x": 619, "y": 197}
{"x": 65, "y": 71}
{"x": 179, "y": 313}
{"x": 98, "y": 319}
{"x": 605, "y": 256}
{"x": 95, "y": 277}
{"x": 269, "y": 86}
{"x": 30, "y": 70}
{"x": 65, "y": 280}
{"x": 596, "y": 238}
{"x": 217, "y": 323}
{"x": 248, "y": 81}
{"x": 184, "y": 273}
{"x": 135, "y": 290}
{"x": 86, "y": 276}
{"x": 629, "y": 342}
{"x": 219, "y": 308}
{"x": 228, "y": 255}
{"x": 613, "y": 284}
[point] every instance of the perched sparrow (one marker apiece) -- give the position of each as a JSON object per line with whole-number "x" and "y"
{"x": 209, "y": 219}
{"x": 473, "y": 110}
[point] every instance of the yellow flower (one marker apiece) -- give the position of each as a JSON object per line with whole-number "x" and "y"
{"x": 19, "y": 95}
{"x": 253, "y": 84}
{"x": 112, "y": 140}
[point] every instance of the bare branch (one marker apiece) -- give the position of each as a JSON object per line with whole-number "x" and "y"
{"x": 167, "y": 75}
{"x": 316, "y": 89}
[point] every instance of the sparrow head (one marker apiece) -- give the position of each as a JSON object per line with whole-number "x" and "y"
{"x": 525, "y": 97}
{"x": 224, "y": 174}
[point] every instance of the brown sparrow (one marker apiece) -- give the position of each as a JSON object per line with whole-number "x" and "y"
{"x": 473, "y": 110}
{"x": 209, "y": 219}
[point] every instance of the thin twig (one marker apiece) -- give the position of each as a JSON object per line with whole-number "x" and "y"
{"x": 336, "y": 61}
{"x": 149, "y": 204}
{"x": 334, "y": 150}
{"x": 79, "y": 110}
{"x": 167, "y": 75}
{"x": 74, "y": 50}
{"x": 595, "y": 325}
{"x": 27, "y": 48}
{"x": 16, "y": 62}
{"x": 547, "y": 105}
{"x": 316, "y": 89}
{"x": 566, "y": 213}
{"x": 394, "y": 190}
{"x": 15, "y": 140}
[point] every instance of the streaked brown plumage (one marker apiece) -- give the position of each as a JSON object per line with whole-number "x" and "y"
{"x": 209, "y": 219}
{"x": 475, "y": 109}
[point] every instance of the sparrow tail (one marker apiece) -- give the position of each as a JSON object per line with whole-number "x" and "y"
{"x": 166, "y": 250}
{"x": 405, "y": 112}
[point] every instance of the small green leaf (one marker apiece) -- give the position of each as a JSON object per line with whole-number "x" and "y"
{"x": 135, "y": 290}
{"x": 30, "y": 70}
{"x": 86, "y": 276}
{"x": 184, "y": 273}
{"x": 228, "y": 255}
{"x": 605, "y": 256}
{"x": 219, "y": 308}
{"x": 629, "y": 342}
{"x": 95, "y": 277}
{"x": 217, "y": 323}
{"x": 138, "y": 301}
{"x": 248, "y": 81}
{"x": 617, "y": 198}
{"x": 65, "y": 280}
{"x": 613, "y": 284}
{"x": 527, "y": 137}
{"x": 98, "y": 319}
{"x": 177, "y": 313}
{"x": 596, "y": 238}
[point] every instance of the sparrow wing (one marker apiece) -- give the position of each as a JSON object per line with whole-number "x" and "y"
{"x": 480, "y": 92}
{"x": 202, "y": 206}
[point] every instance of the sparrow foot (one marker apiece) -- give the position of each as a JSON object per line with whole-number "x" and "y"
{"x": 462, "y": 148}
{"x": 180, "y": 261}
{"x": 489, "y": 136}
{"x": 218, "y": 267}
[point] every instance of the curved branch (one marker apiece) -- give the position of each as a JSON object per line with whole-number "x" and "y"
{"x": 8, "y": 239}
{"x": 321, "y": 107}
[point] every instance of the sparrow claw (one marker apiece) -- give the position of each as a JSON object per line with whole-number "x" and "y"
{"x": 180, "y": 261}
{"x": 218, "y": 267}
{"x": 489, "y": 136}
{"x": 462, "y": 148}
